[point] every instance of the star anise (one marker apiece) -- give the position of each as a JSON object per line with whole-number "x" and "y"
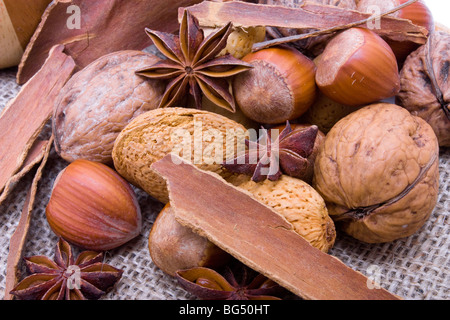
{"x": 269, "y": 158}
{"x": 192, "y": 64}
{"x": 87, "y": 277}
{"x": 237, "y": 284}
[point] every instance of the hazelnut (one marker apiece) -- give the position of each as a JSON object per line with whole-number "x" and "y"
{"x": 378, "y": 173}
{"x": 91, "y": 206}
{"x": 358, "y": 67}
{"x": 279, "y": 87}
{"x": 417, "y": 12}
{"x": 174, "y": 247}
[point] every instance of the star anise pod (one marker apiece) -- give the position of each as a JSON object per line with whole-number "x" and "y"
{"x": 192, "y": 64}
{"x": 269, "y": 158}
{"x": 237, "y": 284}
{"x": 65, "y": 278}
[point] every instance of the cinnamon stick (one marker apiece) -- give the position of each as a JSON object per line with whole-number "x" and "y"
{"x": 257, "y": 236}
{"x": 24, "y": 117}
{"x": 307, "y": 16}
{"x": 91, "y": 29}
{"x": 34, "y": 156}
{"x": 19, "y": 237}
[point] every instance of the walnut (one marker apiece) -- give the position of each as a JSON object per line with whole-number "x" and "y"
{"x": 377, "y": 170}
{"x": 99, "y": 101}
{"x": 425, "y": 85}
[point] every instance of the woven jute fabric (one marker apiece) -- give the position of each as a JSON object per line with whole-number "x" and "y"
{"x": 416, "y": 268}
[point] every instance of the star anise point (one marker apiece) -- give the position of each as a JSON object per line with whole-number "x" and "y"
{"x": 208, "y": 284}
{"x": 192, "y": 64}
{"x": 270, "y": 158}
{"x": 65, "y": 278}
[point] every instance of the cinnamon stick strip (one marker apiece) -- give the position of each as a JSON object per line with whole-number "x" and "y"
{"x": 24, "y": 117}
{"x": 307, "y": 16}
{"x": 257, "y": 236}
{"x": 19, "y": 237}
{"x": 34, "y": 156}
{"x": 91, "y": 29}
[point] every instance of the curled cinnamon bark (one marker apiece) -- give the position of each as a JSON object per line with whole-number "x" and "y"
{"x": 257, "y": 236}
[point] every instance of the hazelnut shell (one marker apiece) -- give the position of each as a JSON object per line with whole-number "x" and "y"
{"x": 175, "y": 247}
{"x": 92, "y": 207}
{"x": 279, "y": 87}
{"x": 357, "y": 68}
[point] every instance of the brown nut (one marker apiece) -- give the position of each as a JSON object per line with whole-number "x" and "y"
{"x": 378, "y": 172}
{"x": 174, "y": 247}
{"x": 279, "y": 87}
{"x": 91, "y": 206}
{"x": 325, "y": 112}
{"x": 421, "y": 95}
{"x": 99, "y": 101}
{"x": 202, "y": 137}
{"x": 298, "y": 203}
{"x": 358, "y": 67}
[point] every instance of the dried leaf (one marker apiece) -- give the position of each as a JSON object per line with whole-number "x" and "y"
{"x": 103, "y": 26}
{"x": 257, "y": 236}
{"x": 24, "y": 117}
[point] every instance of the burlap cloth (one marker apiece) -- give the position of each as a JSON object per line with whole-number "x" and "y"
{"x": 417, "y": 267}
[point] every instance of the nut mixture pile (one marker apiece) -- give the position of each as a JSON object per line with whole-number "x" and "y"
{"x": 339, "y": 132}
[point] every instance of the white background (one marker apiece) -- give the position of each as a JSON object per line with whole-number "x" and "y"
{"x": 440, "y": 10}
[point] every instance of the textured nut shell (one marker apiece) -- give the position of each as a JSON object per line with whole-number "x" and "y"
{"x": 174, "y": 247}
{"x": 92, "y": 207}
{"x": 97, "y": 103}
{"x": 416, "y": 92}
{"x": 279, "y": 87}
{"x": 372, "y": 156}
{"x": 150, "y": 136}
{"x": 298, "y": 203}
{"x": 325, "y": 113}
{"x": 358, "y": 67}
{"x": 241, "y": 40}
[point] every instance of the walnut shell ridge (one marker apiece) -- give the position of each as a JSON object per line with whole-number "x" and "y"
{"x": 378, "y": 171}
{"x": 417, "y": 94}
{"x": 99, "y": 101}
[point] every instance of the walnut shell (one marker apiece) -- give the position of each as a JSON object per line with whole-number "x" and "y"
{"x": 174, "y": 247}
{"x": 99, "y": 101}
{"x": 417, "y": 93}
{"x": 154, "y": 134}
{"x": 378, "y": 172}
{"x": 298, "y": 203}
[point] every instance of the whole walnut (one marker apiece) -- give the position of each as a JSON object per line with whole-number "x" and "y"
{"x": 99, "y": 101}
{"x": 378, "y": 171}
{"x": 421, "y": 95}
